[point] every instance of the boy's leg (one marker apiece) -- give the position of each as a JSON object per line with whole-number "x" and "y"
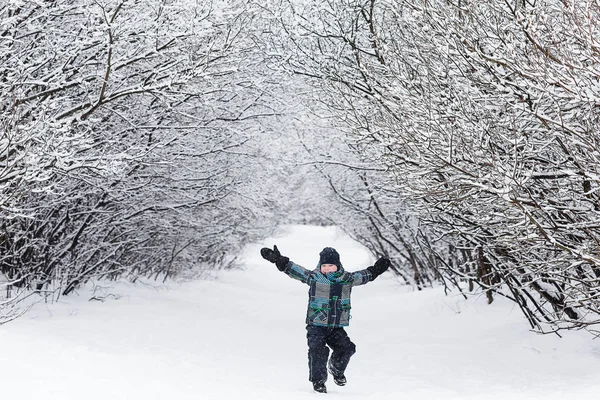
{"x": 343, "y": 349}
{"x": 318, "y": 353}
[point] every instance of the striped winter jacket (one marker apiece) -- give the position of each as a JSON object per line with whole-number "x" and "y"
{"x": 329, "y": 300}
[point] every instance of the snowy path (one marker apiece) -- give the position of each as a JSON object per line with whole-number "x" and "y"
{"x": 243, "y": 337}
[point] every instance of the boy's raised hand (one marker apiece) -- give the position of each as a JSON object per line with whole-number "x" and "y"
{"x": 382, "y": 265}
{"x": 379, "y": 267}
{"x": 270, "y": 255}
{"x": 275, "y": 257}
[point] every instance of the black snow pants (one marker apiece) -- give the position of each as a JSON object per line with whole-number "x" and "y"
{"x": 319, "y": 338}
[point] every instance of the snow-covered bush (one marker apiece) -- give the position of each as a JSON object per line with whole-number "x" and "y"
{"x": 483, "y": 117}
{"x": 124, "y": 141}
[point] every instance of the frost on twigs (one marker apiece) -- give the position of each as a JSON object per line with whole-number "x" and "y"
{"x": 468, "y": 146}
{"x": 126, "y": 131}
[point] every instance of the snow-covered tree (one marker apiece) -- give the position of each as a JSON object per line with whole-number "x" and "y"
{"x": 484, "y": 117}
{"x": 127, "y": 132}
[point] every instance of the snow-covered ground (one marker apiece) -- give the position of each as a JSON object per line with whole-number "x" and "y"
{"x": 242, "y": 336}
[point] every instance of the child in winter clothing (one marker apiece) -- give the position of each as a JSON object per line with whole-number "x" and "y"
{"x": 328, "y": 310}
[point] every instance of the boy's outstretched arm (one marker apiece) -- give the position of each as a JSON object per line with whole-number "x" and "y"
{"x": 369, "y": 274}
{"x": 284, "y": 264}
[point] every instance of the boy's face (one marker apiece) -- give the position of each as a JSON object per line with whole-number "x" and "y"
{"x": 327, "y": 268}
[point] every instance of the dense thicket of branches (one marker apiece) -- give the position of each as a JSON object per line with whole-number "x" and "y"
{"x": 126, "y": 129}
{"x": 457, "y": 138}
{"x": 482, "y": 119}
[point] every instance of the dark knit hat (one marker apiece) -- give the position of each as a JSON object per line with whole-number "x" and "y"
{"x": 329, "y": 256}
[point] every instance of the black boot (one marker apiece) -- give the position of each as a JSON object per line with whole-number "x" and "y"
{"x": 338, "y": 377}
{"x": 339, "y": 380}
{"x": 320, "y": 387}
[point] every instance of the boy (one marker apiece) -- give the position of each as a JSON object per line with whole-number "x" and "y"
{"x": 328, "y": 310}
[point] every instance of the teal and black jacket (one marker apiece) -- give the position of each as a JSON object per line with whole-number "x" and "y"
{"x": 329, "y": 295}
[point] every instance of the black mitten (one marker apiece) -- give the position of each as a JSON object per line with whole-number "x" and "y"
{"x": 270, "y": 255}
{"x": 379, "y": 267}
{"x": 275, "y": 257}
